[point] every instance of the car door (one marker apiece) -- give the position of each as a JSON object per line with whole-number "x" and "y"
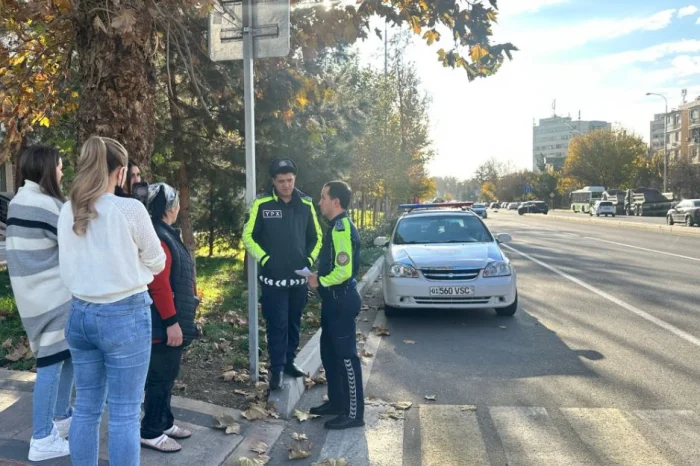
{"x": 678, "y": 215}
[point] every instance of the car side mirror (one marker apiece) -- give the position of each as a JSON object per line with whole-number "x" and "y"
{"x": 503, "y": 238}
{"x": 381, "y": 242}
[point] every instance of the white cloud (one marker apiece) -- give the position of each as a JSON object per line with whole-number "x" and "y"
{"x": 573, "y": 35}
{"x": 690, "y": 10}
{"x": 698, "y": 21}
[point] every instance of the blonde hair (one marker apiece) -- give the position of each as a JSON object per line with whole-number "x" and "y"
{"x": 98, "y": 158}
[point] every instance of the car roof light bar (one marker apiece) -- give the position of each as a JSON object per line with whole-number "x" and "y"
{"x": 446, "y": 205}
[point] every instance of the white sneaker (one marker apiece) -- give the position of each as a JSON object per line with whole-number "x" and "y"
{"x": 53, "y": 446}
{"x": 63, "y": 426}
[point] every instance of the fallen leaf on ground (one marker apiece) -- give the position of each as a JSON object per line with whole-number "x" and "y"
{"x": 364, "y": 308}
{"x": 255, "y": 412}
{"x": 403, "y": 405}
{"x": 332, "y": 462}
{"x": 261, "y": 461}
{"x": 409, "y": 342}
{"x": 259, "y": 448}
{"x": 229, "y": 375}
{"x": 395, "y": 415}
{"x": 381, "y": 331}
{"x": 365, "y": 320}
{"x": 242, "y": 378}
{"x": 302, "y": 416}
{"x": 7, "y": 344}
{"x": 241, "y": 392}
{"x": 20, "y": 351}
{"x": 360, "y": 337}
{"x": 325, "y": 398}
{"x": 295, "y": 454}
{"x": 430, "y": 397}
{"x": 365, "y": 354}
{"x": 468, "y": 408}
{"x": 298, "y": 436}
{"x": 309, "y": 382}
{"x": 228, "y": 423}
{"x": 320, "y": 379}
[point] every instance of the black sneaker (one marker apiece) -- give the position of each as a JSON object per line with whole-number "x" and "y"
{"x": 343, "y": 422}
{"x": 326, "y": 409}
{"x": 276, "y": 380}
{"x": 293, "y": 370}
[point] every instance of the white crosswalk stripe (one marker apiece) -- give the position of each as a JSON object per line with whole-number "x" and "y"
{"x": 454, "y": 435}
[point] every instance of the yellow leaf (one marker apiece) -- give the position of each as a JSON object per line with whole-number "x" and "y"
{"x": 17, "y": 60}
{"x": 478, "y": 52}
{"x": 431, "y": 36}
{"x": 45, "y": 122}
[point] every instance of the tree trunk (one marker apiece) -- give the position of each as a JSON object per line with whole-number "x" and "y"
{"x": 362, "y": 211}
{"x": 211, "y": 218}
{"x": 183, "y": 179}
{"x": 117, "y": 92}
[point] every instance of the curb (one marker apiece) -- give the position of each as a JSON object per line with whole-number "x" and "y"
{"x": 309, "y": 358}
{"x": 674, "y": 230}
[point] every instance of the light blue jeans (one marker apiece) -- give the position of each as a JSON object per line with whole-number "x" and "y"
{"x": 111, "y": 349}
{"x": 52, "y": 392}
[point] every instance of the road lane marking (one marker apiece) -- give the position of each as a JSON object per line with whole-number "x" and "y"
{"x": 612, "y": 437}
{"x": 450, "y": 435}
{"x": 644, "y": 249}
{"x": 530, "y": 438}
{"x": 379, "y": 443}
{"x": 644, "y": 315}
{"x": 677, "y": 430}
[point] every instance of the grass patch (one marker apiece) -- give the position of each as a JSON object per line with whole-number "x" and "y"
{"x": 11, "y": 330}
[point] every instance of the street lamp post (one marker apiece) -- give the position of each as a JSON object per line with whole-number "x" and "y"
{"x": 665, "y": 135}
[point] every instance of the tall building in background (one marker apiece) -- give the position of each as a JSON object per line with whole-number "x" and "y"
{"x": 690, "y": 132}
{"x": 656, "y": 134}
{"x": 550, "y": 139}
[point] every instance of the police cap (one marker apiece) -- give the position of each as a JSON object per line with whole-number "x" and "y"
{"x": 282, "y": 166}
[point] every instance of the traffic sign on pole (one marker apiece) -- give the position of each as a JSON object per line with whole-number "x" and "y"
{"x": 245, "y": 30}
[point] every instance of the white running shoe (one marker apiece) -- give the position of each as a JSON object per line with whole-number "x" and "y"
{"x": 53, "y": 446}
{"x": 63, "y": 426}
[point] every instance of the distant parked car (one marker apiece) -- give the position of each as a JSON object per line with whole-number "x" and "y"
{"x": 603, "y": 208}
{"x": 513, "y": 206}
{"x": 480, "y": 209}
{"x": 533, "y": 207}
{"x": 495, "y": 205}
{"x": 687, "y": 212}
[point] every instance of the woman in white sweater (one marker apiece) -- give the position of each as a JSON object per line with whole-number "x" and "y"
{"x": 109, "y": 253}
{"x": 42, "y": 300}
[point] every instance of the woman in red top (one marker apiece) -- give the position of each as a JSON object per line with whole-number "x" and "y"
{"x": 172, "y": 315}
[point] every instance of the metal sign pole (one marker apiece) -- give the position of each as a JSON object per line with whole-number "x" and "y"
{"x": 250, "y": 188}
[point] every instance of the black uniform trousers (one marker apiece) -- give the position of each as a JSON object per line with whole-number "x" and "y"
{"x": 162, "y": 372}
{"x": 339, "y": 311}
{"x": 282, "y": 309}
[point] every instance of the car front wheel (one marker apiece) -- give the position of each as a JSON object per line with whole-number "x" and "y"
{"x": 669, "y": 220}
{"x": 390, "y": 311}
{"x": 508, "y": 311}
{"x": 689, "y": 221}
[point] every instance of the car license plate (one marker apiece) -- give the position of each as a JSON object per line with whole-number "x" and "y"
{"x": 451, "y": 290}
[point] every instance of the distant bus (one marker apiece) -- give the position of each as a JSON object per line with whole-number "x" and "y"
{"x": 583, "y": 199}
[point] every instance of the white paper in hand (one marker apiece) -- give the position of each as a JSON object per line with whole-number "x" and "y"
{"x": 305, "y": 272}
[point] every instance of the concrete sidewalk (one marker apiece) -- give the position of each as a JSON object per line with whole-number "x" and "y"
{"x": 207, "y": 447}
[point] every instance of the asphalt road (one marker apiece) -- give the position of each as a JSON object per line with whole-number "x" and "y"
{"x": 600, "y": 365}
{"x": 568, "y": 213}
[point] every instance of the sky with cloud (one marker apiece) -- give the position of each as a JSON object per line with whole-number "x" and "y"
{"x": 594, "y": 56}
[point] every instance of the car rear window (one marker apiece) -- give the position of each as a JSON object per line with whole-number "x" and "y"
{"x": 696, "y": 203}
{"x": 606, "y": 204}
{"x": 435, "y": 229}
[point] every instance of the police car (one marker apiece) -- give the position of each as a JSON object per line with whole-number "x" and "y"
{"x": 442, "y": 256}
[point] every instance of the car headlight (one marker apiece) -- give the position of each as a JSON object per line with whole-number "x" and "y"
{"x": 497, "y": 269}
{"x": 402, "y": 271}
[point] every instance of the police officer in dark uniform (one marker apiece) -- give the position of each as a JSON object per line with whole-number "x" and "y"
{"x": 283, "y": 234}
{"x": 339, "y": 262}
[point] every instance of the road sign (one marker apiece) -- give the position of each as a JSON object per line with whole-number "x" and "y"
{"x": 245, "y": 30}
{"x": 528, "y": 189}
{"x": 270, "y": 29}
{"x": 551, "y": 195}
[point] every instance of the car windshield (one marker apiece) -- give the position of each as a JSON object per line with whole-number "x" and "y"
{"x": 435, "y": 229}
{"x": 696, "y": 203}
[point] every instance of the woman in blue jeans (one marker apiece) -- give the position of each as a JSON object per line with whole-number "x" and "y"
{"x": 109, "y": 253}
{"x": 42, "y": 299}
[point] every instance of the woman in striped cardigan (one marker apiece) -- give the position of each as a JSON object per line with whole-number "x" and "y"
{"x": 42, "y": 299}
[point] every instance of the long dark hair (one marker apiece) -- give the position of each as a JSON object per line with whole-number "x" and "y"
{"x": 38, "y": 164}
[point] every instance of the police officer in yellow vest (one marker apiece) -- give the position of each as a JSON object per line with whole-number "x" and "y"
{"x": 283, "y": 234}
{"x": 339, "y": 263}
